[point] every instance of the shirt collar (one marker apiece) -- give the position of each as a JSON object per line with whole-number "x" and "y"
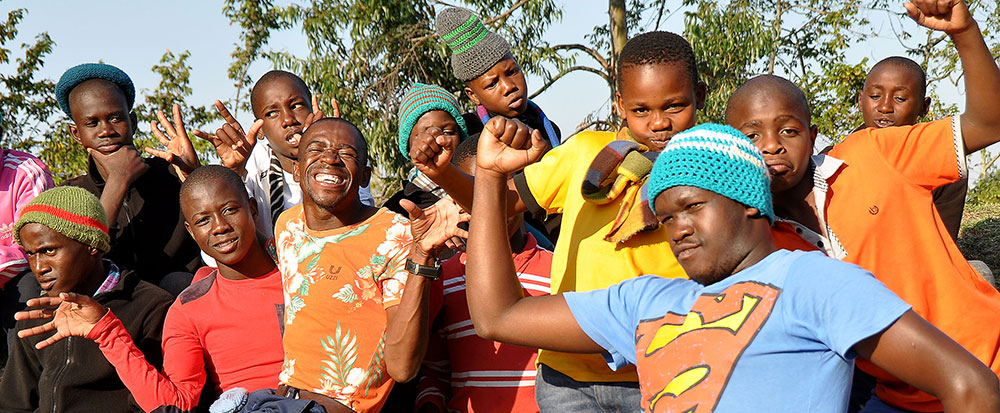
{"x": 114, "y": 276}
{"x": 826, "y": 165}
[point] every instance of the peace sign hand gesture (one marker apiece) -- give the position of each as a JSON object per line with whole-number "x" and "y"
{"x": 231, "y": 143}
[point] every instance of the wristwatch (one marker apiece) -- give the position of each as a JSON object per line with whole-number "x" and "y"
{"x": 433, "y": 272}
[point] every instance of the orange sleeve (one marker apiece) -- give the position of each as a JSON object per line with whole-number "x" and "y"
{"x": 928, "y": 154}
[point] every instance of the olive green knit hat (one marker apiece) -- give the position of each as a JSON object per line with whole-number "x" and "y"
{"x": 474, "y": 47}
{"x": 71, "y": 211}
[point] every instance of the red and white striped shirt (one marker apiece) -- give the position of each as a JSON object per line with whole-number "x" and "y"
{"x": 465, "y": 373}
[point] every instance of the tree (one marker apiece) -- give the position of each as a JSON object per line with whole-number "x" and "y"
{"x": 174, "y": 87}
{"x": 26, "y": 103}
{"x": 367, "y": 53}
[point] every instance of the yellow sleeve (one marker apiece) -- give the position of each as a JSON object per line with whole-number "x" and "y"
{"x": 545, "y": 184}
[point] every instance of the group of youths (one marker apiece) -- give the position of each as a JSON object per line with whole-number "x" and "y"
{"x": 695, "y": 267}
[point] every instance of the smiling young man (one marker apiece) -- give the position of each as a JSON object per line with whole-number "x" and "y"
{"x": 356, "y": 308}
{"x": 283, "y": 107}
{"x": 64, "y": 233}
{"x": 204, "y": 335}
{"x": 139, "y": 194}
{"x": 733, "y": 336}
{"x": 895, "y": 94}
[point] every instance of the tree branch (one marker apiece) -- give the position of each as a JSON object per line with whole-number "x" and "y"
{"x": 585, "y": 126}
{"x": 988, "y": 165}
{"x": 593, "y": 53}
{"x": 567, "y": 71}
{"x": 506, "y": 14}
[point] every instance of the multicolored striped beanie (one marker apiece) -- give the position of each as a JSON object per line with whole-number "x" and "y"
{"x": 419, "y": 100}
{"x": 71, "y": 211}
{"x": 474, "y": 47}
{"x": 716, "y": 158}
{"x": 76, "y": 75}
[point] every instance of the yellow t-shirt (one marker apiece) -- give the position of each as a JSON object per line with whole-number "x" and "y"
{"x": 583, "y": 260}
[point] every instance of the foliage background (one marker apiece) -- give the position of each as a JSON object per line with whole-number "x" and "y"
{"x": 366, "y": 52}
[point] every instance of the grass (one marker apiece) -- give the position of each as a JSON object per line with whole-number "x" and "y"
{"x": 979, "y": 238}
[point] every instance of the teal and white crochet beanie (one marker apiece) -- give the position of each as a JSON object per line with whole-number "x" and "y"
{"x": 715, "y": 158}
{"x": 421, "y": 99}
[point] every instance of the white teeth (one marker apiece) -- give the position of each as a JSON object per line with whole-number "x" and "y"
{"x": 328, "y": 178}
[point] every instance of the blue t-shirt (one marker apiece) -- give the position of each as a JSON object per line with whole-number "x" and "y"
{"x": 774, "y": 337}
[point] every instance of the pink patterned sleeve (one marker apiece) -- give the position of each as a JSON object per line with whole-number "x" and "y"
{"x": 22, "y": 178}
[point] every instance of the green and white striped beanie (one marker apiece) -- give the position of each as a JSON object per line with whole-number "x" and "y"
{"x": 474, "y": 47}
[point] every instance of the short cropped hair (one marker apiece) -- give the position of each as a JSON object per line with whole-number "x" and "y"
{"x": 211, "y": 173}
{"x": 658, "y": 48}
{"x": 465, "y": 150}
{"x": 906, "y": 63}
{"x": 277, "y": 74}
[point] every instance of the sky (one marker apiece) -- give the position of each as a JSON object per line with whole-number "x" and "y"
{"x": 144, "y": 30}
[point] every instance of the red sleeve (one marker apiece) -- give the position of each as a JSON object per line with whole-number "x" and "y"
{"x": 183, "y": 374}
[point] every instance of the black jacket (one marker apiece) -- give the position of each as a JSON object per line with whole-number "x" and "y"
{"x": 72, "y": 375}
{"x": 148, "y": 236}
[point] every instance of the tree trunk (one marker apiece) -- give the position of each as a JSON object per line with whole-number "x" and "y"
{"x": 619, "y": 35}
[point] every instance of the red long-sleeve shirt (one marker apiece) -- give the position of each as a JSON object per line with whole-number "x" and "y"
{"x": 228, "y": 330}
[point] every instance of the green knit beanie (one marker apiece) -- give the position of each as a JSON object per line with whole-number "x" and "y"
{"x": 71, "y": 211}
{"x": 474, "y": 47}
{"x": 419, "y": 100}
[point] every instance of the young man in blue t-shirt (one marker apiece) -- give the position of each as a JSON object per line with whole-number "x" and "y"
{"x": 738, "y": 335}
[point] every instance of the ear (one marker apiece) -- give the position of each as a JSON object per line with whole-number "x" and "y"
{"x": 472, "y": 95}
{"x": 700, "y": 93}
{"x": 926, "y": 108}
{"x": 620, "y": 105}
{"x": 135, "y": 122}
{"x": 295, "y": 170}
{"x": 813, "y": 133}
{"x": 253, "y": 207}
{"x": 94, "y": 251}
{"x": 75, "y": 132}
{"x": 366, "y": 176}
{"x": 188, "y": 228}
{"x": 752, "y": 212}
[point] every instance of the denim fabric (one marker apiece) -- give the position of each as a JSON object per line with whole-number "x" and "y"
{"x": 878, "y": 406}
{"x": 557, "y": 392}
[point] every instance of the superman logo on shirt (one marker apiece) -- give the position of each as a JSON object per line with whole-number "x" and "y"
{"x": 685, "y": 360}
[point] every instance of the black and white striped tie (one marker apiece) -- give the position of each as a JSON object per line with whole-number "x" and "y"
{"x": 276, "y": 181}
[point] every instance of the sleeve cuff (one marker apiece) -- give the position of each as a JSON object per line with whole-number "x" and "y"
{"x": 579, "y": 307}
{"x": 523, "y": 191}
{"x": 104, "y": 327}
{"x": 956, "y": 128}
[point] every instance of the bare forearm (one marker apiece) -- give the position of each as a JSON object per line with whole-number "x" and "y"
{"x": 459, "y": 186}
{"x": 498, "y": 310}
{"x": 916, "y": 352}
{"x": 491, "y": 284}
{"x": 981, "y": 119}
{"x": 407, "y": 328}
{"x": 112, "y": 198}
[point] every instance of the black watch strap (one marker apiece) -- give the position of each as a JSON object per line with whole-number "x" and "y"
{"x": 430, "y": 271}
